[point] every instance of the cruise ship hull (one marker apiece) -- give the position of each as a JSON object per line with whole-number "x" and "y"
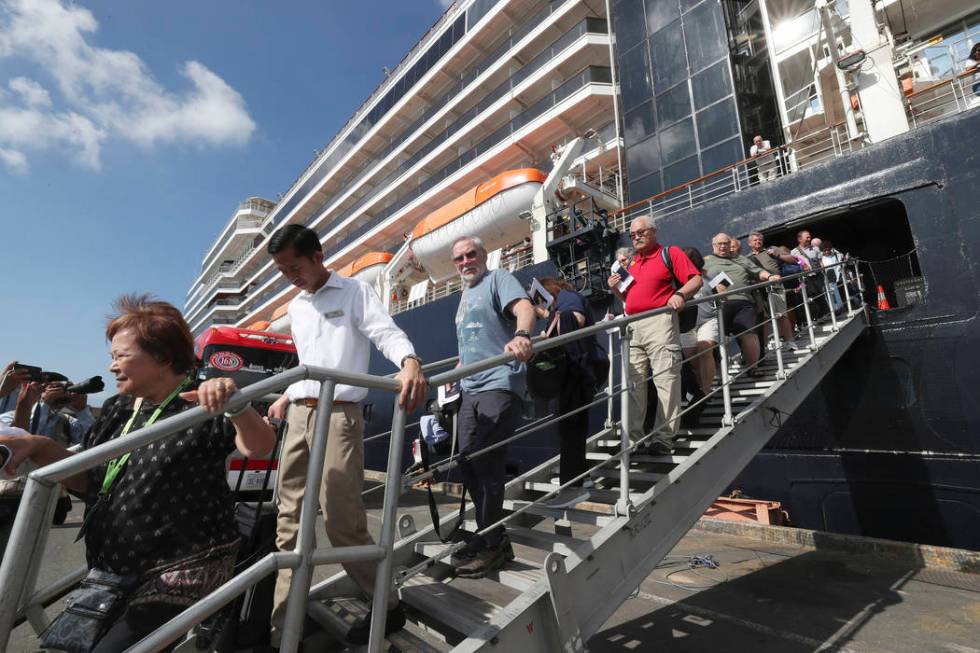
{"x": 889, "y": 444}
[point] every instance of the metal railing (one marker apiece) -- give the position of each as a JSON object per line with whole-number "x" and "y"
{"x": 19, "y": 597}
{"x": 944, "y": 98}
{"x": 779, "y": 161}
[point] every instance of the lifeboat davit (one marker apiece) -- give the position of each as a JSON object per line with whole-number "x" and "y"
{"x": 490, "y": 211}
{"x": 367, "y": 268}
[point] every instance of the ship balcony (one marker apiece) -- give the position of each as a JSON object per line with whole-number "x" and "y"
{"x": 506, "y": 36}
{"x": 583, "y": 102}
{"x": 558, "y": 30}
{"x": 241, "y": 230}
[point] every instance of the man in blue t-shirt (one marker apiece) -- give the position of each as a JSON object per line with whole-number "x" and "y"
{"x": 494, "y": 316}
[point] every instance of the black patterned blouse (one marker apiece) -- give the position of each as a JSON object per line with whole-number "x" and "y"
{"x": 170, "y": 501}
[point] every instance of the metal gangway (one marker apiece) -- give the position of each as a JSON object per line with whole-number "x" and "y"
{"x": 575, "y": 566}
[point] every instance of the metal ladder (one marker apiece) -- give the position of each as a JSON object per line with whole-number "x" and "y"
{"x": 574, "y": 567}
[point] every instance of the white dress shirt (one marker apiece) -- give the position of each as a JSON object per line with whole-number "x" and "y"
{"x": 335, "y": 326}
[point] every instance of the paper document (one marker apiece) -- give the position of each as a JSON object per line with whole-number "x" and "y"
{"x": 627, "y": 278}
{"x": 718, "y": 279}
{"x": 539, "y": 295}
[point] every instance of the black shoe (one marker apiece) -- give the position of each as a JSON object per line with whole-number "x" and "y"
{"x": 658, "y": 448}
{"x": 360, "y": 632}
{"x": 486, "y": 561}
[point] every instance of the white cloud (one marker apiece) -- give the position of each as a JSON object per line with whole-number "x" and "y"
{"x": 15, "y": 161}
{"x": 107, "y": 93}
{"x": 445, "y": 3}
{"x": 31, "y": 93}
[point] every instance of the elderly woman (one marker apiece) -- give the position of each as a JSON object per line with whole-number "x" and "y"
{"x": 159, "y": 528}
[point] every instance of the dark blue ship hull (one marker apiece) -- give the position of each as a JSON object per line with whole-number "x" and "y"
{"x": 889, "y": 444}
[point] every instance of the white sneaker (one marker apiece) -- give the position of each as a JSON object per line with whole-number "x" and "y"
{"x": 789, "y": 345}
{"x": 567, "y": 498}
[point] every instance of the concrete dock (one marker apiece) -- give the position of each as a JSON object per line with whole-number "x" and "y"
{"x": 765, "y": 596}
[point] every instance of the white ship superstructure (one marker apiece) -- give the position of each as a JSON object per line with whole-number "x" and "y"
{"x": 493, "y": 86}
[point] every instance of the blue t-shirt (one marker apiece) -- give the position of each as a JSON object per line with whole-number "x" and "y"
{"x": 483, "y": 327}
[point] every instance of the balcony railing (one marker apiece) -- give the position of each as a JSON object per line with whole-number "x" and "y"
{"x": 513, "y": 258}
{"x": 589, "y": 75}
{"x": 944, "y": 98}
{"x": 778, "y": 162}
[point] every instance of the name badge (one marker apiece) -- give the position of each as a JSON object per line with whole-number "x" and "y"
{"x": 331, "y": 314}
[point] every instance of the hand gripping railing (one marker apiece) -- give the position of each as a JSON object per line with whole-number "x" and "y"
{"x": 621, "y": 324}
{"x": 25, "y": 549}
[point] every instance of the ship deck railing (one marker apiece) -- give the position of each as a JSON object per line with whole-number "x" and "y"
{"x": 21, "y": 599}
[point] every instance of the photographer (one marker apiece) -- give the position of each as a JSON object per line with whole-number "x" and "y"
{"x": 79, "y": 416}
{"x": 184, "y": 543}
{"x": 10, "y": 381}
{"x": 37, "y": 408}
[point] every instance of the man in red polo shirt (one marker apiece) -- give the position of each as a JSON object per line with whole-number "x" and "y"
{"x": 655, "y": 346}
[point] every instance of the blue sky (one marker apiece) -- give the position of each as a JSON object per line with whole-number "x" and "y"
{"x": 129, "y": 132}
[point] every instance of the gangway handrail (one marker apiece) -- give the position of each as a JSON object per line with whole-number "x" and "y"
{"x": 19, "y": 569}
{"x": 21, "y": 559}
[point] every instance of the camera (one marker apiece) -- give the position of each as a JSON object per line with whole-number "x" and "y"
{"x": 88, "y": 386}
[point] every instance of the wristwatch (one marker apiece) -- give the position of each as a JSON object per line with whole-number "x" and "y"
{"x": 238, "y": 413}
{"x": 522, "y": 334}
{"x": 413, "y": 357}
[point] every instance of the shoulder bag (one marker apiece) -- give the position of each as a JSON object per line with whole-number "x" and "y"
{"x": 688, "y": 316}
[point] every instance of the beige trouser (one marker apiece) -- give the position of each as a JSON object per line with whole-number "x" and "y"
{"x": 340, "y": 493}
{"x": 655, "y": 348}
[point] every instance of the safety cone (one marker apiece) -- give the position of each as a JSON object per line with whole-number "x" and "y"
{"x": 883, "y": 304}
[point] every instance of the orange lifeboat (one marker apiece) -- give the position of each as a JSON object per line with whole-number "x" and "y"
{"x": 490, "y": 211}
{"x": 367, "y": 268}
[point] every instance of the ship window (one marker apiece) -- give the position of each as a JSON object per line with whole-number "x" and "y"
{"x": 660, "y": 13}
{"x": 629, "y": 23}
{"x": 667, "y": 55}
{"x": 645, "y": 187}
{"x": 719, "y": 156}
{"x": 711, "y": 85}
{"x": 674, "y": 104}
{"x": 681, "y": 172}
{"x": 707, "y": 39}
{"x": 717, "y": 123}
{"x": 677, "y": 142}
{"x": 634, "y": 80}
{"x": 638, "y": 124}
{"x": 643, "y": 157}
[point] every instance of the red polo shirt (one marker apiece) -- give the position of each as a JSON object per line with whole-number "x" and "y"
{"x": 652, "y": 286}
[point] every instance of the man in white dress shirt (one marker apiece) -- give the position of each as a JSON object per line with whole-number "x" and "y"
{"x": 334, "y": 321}
{"x": 765, "y": 158}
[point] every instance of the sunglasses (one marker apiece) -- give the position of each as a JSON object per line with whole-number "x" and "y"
{"x": 638, "y": 234}
{"x": 465, "y": 256}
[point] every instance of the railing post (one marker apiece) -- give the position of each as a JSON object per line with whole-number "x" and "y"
{"x": 726, "y": 392}
{"x": 393, "y": 487}
{"x": 24, "y": 549}
{"x": 847, "y": 290}
{"x": 622, "y": 507}
{"x": 830, "y": 300}
{"x": 611, "y": 402}
{"x": 299, "y": 589}
{"x": 774, "y": 325}
{"x": 806, "y": 310}
{"x": 735, "y": 179}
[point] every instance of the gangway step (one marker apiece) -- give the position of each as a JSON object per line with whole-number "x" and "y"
{"x": 680, "y": 443}
{"x": 337, "y": 617}
{"x": 645, "y": 477}
{"x": 545, "y": 541}
{"x": 442, "y": 606}
{"x": 570, "y": 514}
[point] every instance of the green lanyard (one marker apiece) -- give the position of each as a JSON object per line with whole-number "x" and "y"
{"x": 116, "y": 465}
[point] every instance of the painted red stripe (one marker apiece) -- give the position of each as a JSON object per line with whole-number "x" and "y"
{"x": 237, "y": 464}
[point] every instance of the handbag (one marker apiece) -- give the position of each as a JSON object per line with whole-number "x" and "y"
{"x": 546, "y": 371}
{"x": 89, "y": 611}
{"x": 687, "y": 317}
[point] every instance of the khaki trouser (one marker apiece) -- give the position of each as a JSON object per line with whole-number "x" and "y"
{"x": 655, "y": 348}
{"x": 340, "y": 493}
